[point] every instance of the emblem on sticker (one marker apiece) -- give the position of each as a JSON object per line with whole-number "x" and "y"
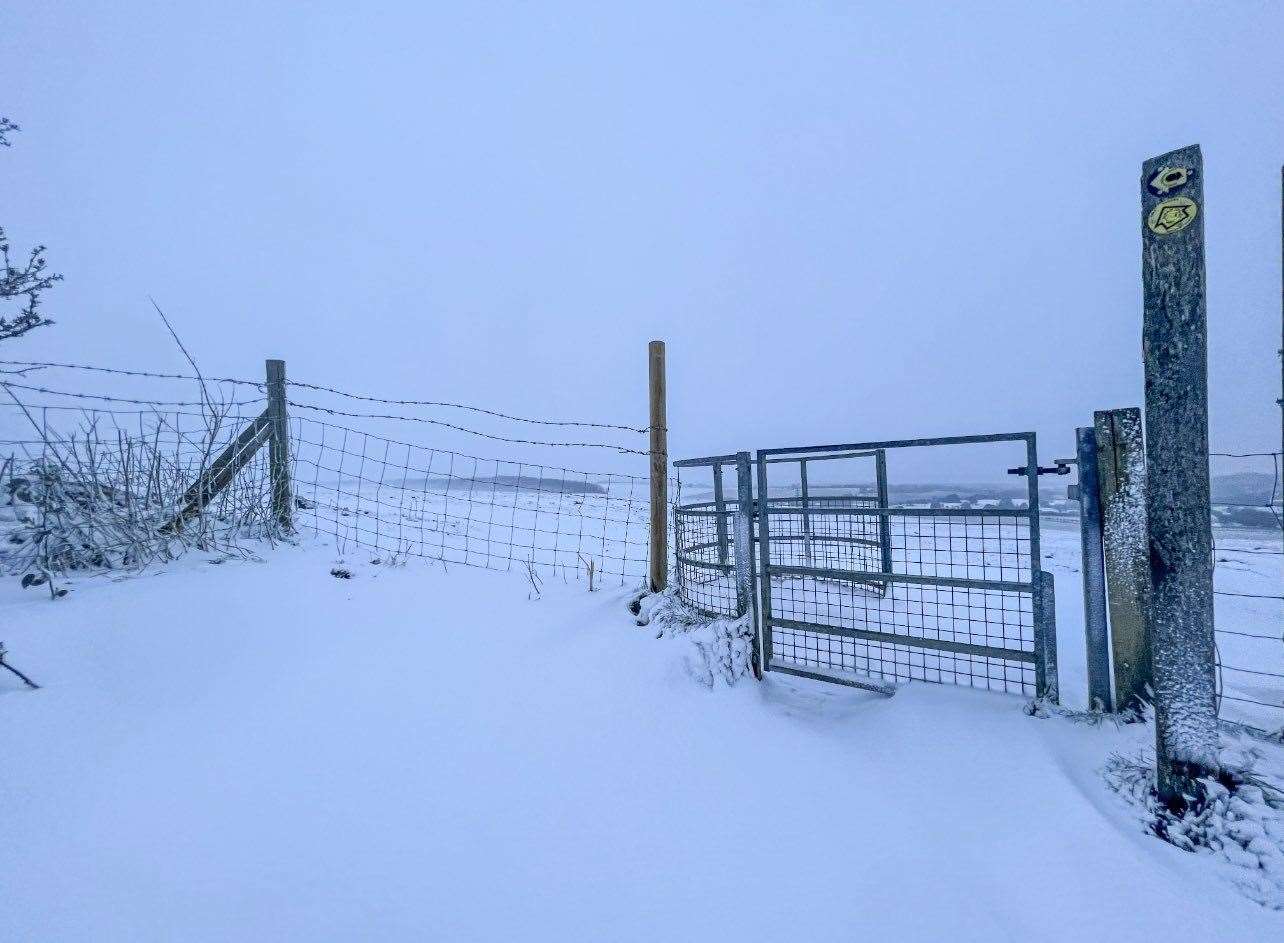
{"x": 1172, "y": 215}
{"x": 1168, "y": 179}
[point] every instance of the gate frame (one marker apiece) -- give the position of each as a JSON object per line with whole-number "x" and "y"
{"x": 1040, "y": 587}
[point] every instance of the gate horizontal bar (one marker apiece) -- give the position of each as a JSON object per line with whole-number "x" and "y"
{"x": 902, "y": 443}
{"x": 912, "y": 641}
{"x": 875, "y": 576}
{"x": 688, "y": 561}
{"x": 825, "y": 457}
{"x": 904, "y": 511}
{"x": 711, "y": 460}
{"x": 824, "y": 539}
{"x": 851, "y": 679}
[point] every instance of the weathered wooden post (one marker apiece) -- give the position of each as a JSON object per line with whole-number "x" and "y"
{"x": 279, "y": 444}
{"x": 1096, "y": 635}
{"x": 1175, "y": 346}
{"x": 659, "y": 469}
{"x": 1121, "y": 478}
{"x": 746, "y": 604}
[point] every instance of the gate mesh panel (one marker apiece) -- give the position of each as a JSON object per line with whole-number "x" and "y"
{"x": 705, "y": 565}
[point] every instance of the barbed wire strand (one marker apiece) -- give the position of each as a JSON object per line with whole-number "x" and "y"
{"x": 641, "y": 430}
{"x": 123, "y": 399}
{"x": 450, "y": 425}
{"x": 260, "y": 384}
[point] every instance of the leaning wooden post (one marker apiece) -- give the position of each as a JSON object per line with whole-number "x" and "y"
{"x": 1121, "y": 477}
{"x": 1175, "y": 345}
{"x": 659, "y": 469}
{"x": 279, "y": 444}
{"x": 1096, "y": 634}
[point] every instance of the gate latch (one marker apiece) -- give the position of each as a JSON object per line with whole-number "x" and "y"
{"x": 1060, "y": 466}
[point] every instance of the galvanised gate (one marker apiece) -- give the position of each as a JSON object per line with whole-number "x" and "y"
{"x": 860, "y": 586}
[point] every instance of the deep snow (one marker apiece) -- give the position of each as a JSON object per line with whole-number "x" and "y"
{"x": 260, "y": 751}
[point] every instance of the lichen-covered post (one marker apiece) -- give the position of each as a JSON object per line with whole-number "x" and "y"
{"x": 743, "y": 542}
{"x": 1121, "y": 477}
{"x": 1175, "y": 345}
{"x": 279, "y": 444}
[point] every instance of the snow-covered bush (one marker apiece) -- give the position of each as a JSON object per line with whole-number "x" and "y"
{"x": 1238, "y": 819}
{"x": 722, "y": 648}
{"x": 87, "y": 502}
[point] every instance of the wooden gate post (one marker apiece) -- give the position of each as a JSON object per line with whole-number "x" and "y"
{"x": 279, "y": 444}
{"x": 1175, "y": 345}
{"x": 659, "y": 469}
{"x": 1121, "y": 478}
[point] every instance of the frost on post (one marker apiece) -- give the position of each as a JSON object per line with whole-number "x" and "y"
{"x": 1175, "y": 344}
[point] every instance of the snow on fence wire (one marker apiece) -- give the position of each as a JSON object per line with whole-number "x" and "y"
{"x": 107, "y": 480}
{"x": 1248, "y": 588}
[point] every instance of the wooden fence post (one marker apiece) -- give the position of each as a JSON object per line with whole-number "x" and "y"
{"x": 1121, "y": 477}
{"x": 659, "y": 468}
{"x": 279, "y": 444}
{"x": 1175, "y": 345}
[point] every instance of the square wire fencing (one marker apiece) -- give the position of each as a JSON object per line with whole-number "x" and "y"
{"x": 122, "y": 477}
{"x": 401, "y": 500}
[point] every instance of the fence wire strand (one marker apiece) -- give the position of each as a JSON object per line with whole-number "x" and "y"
{"x": 1250, "y": 662}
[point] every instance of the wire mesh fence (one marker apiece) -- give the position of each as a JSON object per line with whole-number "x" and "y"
{"x": 405, "y": 500}
{"x": 90, "y": 479}
{"x": 1248, "y": 588}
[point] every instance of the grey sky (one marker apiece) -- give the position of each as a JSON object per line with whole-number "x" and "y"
{"x": 848, "y": 221}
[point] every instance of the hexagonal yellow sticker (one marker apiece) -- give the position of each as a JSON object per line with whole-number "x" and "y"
{"x": 1172, "y": 215}
{"x": 1168, "y": 179}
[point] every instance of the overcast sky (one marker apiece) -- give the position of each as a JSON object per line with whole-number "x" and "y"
{"x": 848, "y": 221}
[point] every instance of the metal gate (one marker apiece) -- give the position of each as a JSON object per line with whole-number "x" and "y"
{"x": 855, "y": 585}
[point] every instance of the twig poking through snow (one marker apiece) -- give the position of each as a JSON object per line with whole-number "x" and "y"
{"x": 4, "y": 664}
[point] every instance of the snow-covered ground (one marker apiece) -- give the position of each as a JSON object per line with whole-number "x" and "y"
{"x": 263, "y": 751}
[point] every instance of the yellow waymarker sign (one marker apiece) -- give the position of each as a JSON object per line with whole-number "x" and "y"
{"x": 1172, "y": 216}
{"x": 1169, "y": 178}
